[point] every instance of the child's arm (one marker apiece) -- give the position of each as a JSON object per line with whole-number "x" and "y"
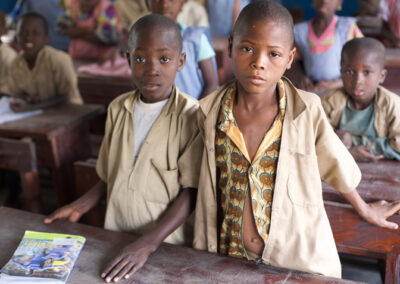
{"x": 209, "y": 76}
{"x": 82, "y": 33}
{"x": 76, "y": 209}
{"x": 21, "y": 105}
{"x": 376, "y": 212}
{"x": 135, "y": 255}
{"x": 325, "y": 85}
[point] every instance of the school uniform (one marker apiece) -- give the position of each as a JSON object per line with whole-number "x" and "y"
{"x": 140, "y": 190}
{"x": 7, "y": 55}
{"x": 53, "y": 74}
{"x": 385, "y": 120}
{"x": 300, "y": 236}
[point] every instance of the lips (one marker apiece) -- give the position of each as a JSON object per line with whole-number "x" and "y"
{"x": 150, "y": 86}
{"x": 29, "y": 45}
{"x": 358, "y": 92}
{"x": 256, "y": 80}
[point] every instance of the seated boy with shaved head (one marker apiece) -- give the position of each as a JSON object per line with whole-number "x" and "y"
{"x": 150, "y": 155}
{"x": 267, "y": 146}
{"x": 365, "y": 115}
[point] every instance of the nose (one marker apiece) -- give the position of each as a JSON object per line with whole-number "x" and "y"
{"x": 152, "y": 67}
{"x": 259, "y": 61}
{"x": 359, "y": 78}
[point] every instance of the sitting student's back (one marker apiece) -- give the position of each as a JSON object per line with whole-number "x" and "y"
{"x": 41, "y": 73}
{"x": 7, "y": 55}
{"x": 365, "y": 115}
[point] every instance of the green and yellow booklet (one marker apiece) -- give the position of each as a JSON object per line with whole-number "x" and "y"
{"x": 42, "y": 258}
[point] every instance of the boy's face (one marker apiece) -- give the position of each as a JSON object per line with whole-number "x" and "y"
{"x": 31, "y": 36}
{"x": 167, "y": 8}
{"x": 326, "y": 7}
{"x": 361, "y": 75}
{"x": 154, "y": 59}
{"x": 261, "y": 51}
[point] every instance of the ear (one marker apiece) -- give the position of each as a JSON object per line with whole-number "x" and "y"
{"x": 230, "y": 44}
{"x": 182, "y": 60}
{"x": 382, "y": 76}
{"x": 128, "y": 56}
{"x": 291, "y": 57}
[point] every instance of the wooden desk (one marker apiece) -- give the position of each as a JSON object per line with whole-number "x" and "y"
{"x": 355, "y": 236}
{"x": 380, "y": 180}
{"x": 61, "y": 136}
{"x": 169, "y": 264}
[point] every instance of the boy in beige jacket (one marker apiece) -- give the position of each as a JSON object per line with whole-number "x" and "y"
{"x": 267, "y": 146}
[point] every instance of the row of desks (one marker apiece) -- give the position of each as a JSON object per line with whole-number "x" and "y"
{"x": 169, "y": 264}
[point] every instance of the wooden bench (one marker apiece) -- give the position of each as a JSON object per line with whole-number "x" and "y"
{"x": 355, "y": 236}
{"x": 85, "y": 178}
{"x": 19, "y": 155}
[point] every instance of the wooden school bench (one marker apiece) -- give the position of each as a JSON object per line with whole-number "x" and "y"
{"x": 61, "y": 136}
{"x": 169, "y": 264}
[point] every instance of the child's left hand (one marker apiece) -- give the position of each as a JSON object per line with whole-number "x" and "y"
{"x": 130, "y": 260}
{"x": 379, "y": 211}
{"x": 18, "y": 105}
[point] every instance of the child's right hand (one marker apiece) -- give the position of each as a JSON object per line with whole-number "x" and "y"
{"x": 362, "y": 154}
{"x": 72, "y": 212}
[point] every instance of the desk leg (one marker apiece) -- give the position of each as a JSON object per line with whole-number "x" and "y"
{"x": 392, "y": 268}
{"x": 69, "y": 147}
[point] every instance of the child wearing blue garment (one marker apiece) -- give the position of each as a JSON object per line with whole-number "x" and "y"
{"x": 199, "y": 77}
{"x": 366, "y": 116}
{"x": 319, "y": 42}
{"x": 222, "y": 15}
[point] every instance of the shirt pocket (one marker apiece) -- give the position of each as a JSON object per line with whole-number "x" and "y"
{"x": 162, "y": 184}
{"x": 304, "y": 182}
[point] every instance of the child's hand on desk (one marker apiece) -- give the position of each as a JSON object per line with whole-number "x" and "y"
{"x": 18, "y": 105}
{"x": 72, "y": 212}
{"x": 130, "y": 260}
{"x": 379, "y": 211}
{"x": 362, "y": 154}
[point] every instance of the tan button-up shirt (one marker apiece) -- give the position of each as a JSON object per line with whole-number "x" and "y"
{"x": 138, "y": 192}
{"x": 7, "y": 55}
{"x": 386, "y": 108}
{"x": 52, "y": 75}
{"x": 300, "y": 236}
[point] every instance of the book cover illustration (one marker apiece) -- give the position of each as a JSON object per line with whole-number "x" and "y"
{"x": 44, "y": 255}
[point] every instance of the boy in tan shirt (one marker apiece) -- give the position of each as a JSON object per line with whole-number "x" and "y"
{"x": 7, "y": 55}
{"x": 267, "y": 146}
{"x": 150, "y": 155}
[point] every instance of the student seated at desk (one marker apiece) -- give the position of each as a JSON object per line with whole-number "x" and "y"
{"x": 40, "y": 76}
{"x": 7, "y": 55}
{"x": 365, "y": 115}
{"x": 319, "y": 42}
{"x": 199, "y": 76}
{"x": 267, "y": 145}
{"x": 150, "y": 155}
{"x": 94, "y": 29}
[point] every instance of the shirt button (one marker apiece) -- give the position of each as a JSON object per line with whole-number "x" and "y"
{"x": 212, "y": 149}
{"x": 212, "y": 247}
{"x": 250, "y": 169}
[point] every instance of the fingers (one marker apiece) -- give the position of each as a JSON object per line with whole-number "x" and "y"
{"x": 122, "y": 269}
{"x": 389, "y": 225}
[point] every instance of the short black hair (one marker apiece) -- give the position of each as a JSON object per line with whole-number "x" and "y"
{"x": 154, "y": 20}
{"x": 264, "y": 10}
{"x": 365, "y": 43}
{"x": 37, "y": 16}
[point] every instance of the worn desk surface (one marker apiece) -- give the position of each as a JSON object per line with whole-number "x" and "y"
{"x": 169, "y": 264}
{"x": 355, "y": 236}
{"x": 61, "y": 136}
{"x": 380, "y": 180}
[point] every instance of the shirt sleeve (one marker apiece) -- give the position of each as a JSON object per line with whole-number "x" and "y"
{"x": 108, "y": 30}
{"x": 206, "y": 51}
{"x": 354, "y": 32}
{"x": 102, "y": 159}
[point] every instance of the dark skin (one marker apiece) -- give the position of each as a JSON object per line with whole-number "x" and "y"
{"x": 155, "y": 57}
{"x": 171, "y": 10}
{"x": 258, "y": 62}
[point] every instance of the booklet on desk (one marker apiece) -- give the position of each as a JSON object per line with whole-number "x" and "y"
{"x": 42, "y": 258}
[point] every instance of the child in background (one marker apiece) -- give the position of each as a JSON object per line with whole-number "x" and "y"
{"x": 130, "y": 11}
{"x": 365, "y": 115}
{"x": 40, "y": 76}
{"x": 222, "y": 15}
{"x": 319, "y": 42}
{"x": 150, "y": 155}
{"x": 199, "y": 76}
{"x": 267, "y": 145}
{"x": 93, "y": 26}
{"x": 193, "y": 14}
{"x": 7, "y": 55}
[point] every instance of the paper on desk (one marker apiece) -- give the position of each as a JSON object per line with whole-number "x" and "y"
{"x": 7, "y": 114}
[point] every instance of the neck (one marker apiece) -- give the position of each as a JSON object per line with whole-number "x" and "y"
{"x": 323, "y": 20}
{"x": 253, "y": 102}
{"x": 360, "y": 105}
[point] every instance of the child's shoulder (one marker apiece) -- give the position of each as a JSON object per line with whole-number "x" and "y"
{"x": 184, "y": 104}
{"x": 387, "y": 97}
{"x": 53, "y": 55}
